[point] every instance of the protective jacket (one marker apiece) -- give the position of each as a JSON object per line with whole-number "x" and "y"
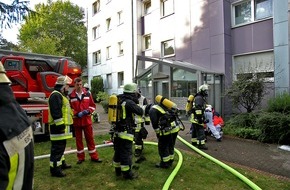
{"x": 124, "y": 131}
{"x": 16, "y": 144}
{"x": 60, "y": 116}
{"x": 166, "y": 126}
{"x": 78, "y": 104}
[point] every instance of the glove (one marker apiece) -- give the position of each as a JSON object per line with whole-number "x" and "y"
{"x": 80, "y": 114}
{"x": 86, "y": 112}
{"x": 61, "y": 128}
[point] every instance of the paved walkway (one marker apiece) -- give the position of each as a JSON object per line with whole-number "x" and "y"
{"x": 258, "y": 156}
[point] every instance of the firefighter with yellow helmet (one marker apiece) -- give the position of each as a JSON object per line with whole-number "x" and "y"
{"x": 16, "y": 139}
{"x": 60, "y": 119}
{"x": 197, "y": 117}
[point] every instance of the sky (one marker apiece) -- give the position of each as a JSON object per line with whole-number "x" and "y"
{"x": 11, "y": 34}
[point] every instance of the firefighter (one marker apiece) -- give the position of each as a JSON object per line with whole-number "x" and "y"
{"x": 165, "y": 122}
{"x": 83, "y": 106}
{"x": 16, "y": 141}
{"x": 197, "y": 118}
{"x": 140, "y": 130}
{"x": 60, "y": 119}
{"x": 124, "y": 130}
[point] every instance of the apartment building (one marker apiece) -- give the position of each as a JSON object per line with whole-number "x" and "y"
{"x": 170, "y": 47}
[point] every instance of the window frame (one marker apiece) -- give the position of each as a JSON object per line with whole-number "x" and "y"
{"x": 121, "y": 48}
{"x": 147, "y": 45}
{"x": 108, "y": 53}
{"x": 146, "y": 8}
{"x": 109, "y": 81}
{"x": 108, "y": 23}
{"x": 164, "y": 6}
{"x": 120, "y": 79}
{"x": 120, "y": 18}
{"x": 163, "y": 43}
{"x": 96, "y": 32}
{"x": 97, "y": 57}
{"x": 253, "y": 12}
{"x": 96, "y": 7}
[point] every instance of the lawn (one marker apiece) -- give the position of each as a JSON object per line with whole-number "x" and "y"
{"x": 196, "y": 172}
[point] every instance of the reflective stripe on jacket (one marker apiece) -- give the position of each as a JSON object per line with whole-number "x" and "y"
{"x": 174, "y": 125}
{"x": 66, "y": 119}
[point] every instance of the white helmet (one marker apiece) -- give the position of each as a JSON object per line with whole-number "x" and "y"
{"x": 63, "y": 80}
{"x": 203, "y": 87}
{"x": 86, "y": 85}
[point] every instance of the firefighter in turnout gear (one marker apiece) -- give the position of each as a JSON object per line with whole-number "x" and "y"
{"x": 165, "y": 122}
{"x": 197, "y": 117}
{"x": 140, "y": 130}
{"x": 60, "y": 120}
{"x": 16, "y": 141}
{"x": 124, "y": 130}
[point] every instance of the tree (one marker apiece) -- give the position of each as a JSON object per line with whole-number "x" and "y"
{"x": 247, "y": 92}
{"x": 13, "y": 13}
{"x": 57, "y": 29}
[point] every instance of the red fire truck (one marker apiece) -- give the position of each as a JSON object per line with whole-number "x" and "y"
{"x": 32, "y": 80}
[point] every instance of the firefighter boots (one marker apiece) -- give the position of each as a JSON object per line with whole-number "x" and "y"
{"x": 56, "y": 172}
{"x": 202, "y": 146}
{"x": 65, "y": 165}
{"x": 129, "y": 175}
{"x": 162, "y": 165}
{"x": 118, "y": 171}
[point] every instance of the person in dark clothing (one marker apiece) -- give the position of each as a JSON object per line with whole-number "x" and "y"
{"x": 124, "y": 130}
{"x": 60, "y": 120}
{"x": 198, "y": 118}
{"x": 165, "y": 122}
{"x": 16, "y": 141}
{"x": 140, "y": 130}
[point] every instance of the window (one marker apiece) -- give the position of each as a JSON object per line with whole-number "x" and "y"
{"x": 147, "y": 42}
{"x": 251, "y": 10}
{"x": 97, "y": 57}
{"x": 108, "y": 22}
{"x": 109, "y": 81}
{"x": 109, "y": 52}
{"x": 168, "y": 48}
{"x": 147, "y": 7}
{"x": 167, "y": 7}
{"x": 121, "y": 48}
{"x": 120, "y": 17}
{"x": 120, "y": 79}
{"x": 96, "y": 32}
{"x": 96, "y": 7}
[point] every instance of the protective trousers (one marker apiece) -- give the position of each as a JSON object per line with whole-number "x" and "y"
{"x": 197, "y": 135}
{"x": 56, "y": 153}
{"x": 123, "y": 154}
{"x": 89, "y": 137}
{"x": 166, "y": 145}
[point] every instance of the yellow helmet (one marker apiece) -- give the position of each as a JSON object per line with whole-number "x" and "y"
{"x": 3, "y": 76}
{"x": 63, "y": 80}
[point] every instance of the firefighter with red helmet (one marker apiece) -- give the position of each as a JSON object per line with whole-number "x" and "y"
{"x": 83, "y": 106}
{"x": 60, "y": 120}
{"x": 16, "y": 141}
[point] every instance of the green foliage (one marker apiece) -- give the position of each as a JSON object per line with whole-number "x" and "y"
{"x": 280, "y": 103}
{"x": 246, "y": 93}
{"x": 274, "y": 128}
{"x": 56, "y": 29}
{"x": 91, "y": 176}
{"x": 14, "y": 13}
{"x": 97, "y": 86}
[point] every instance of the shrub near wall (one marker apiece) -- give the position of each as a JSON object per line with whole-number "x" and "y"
{"x": 97, "y": 86}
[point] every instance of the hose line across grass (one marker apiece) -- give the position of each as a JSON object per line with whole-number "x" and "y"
{"x": 228, "y": 168}
{"x": 176, "y": 169}
{"x": 179, "y": 163}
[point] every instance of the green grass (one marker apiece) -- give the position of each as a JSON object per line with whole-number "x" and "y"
{"x": 196, "y": 173}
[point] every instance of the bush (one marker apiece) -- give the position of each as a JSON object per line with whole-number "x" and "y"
{"x": 96, "y": 87}
{"x": 103, "y": 98}
{"x": 280, "y": 103}
{"x": 274, "y": 128}
{"x": 243, "y": 120}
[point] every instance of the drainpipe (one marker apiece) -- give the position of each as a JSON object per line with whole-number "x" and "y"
{"x": 132, "y": 19}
